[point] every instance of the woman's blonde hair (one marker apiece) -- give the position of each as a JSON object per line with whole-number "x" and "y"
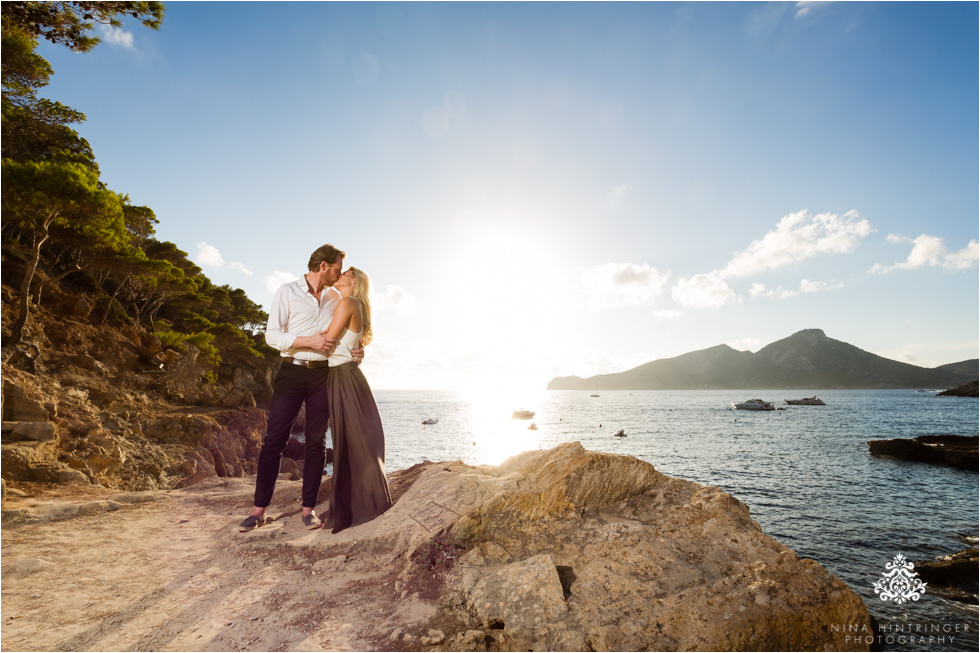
{"x": 362, "y": 291}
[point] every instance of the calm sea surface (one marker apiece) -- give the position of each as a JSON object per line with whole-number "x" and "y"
{"x": 804, "y": 472}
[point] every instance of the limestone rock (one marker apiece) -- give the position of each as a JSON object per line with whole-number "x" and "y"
{"x": 579, "y": 550}
{"x": 952, "y": 576}
{"x": 18, "y": 406}
{"x": 28, "y": 431}
{"x": 525, "y": 595}
{"x": 968, "y": 389}
{"x": 954, "y": 450}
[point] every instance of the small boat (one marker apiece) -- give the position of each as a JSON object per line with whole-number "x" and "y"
{"x": 754, "y": 404}
{"x": 806, "y": 401}
{"x": 620, "y": 433}
{"x": 522, "y": 414}
{"x": 430, "y": 421}
{"x": 596, "y": 393}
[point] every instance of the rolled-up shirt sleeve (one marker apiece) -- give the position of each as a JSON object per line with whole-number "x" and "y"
{"x": 276, "y": 331}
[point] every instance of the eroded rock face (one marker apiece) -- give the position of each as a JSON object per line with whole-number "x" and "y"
{"x": 650, "y": 563}
{"x": 579, "y": 550}
{"x": 84, "y": 430}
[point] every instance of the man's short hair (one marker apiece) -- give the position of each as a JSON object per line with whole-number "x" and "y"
{"x": 325, "y": 254}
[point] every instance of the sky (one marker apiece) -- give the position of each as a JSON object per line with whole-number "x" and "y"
{"x": 552, "y": 189}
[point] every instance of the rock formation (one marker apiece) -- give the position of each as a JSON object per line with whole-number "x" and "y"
{"x": 953, "y": 576}
{"x": 109, "y": 405}
{"x": 954, "y": 450}
{"x": 568, "y": 549}
{"x": 968, "y": 389}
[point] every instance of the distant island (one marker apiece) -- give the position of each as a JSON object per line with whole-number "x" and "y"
{"x": 806, "y": 359}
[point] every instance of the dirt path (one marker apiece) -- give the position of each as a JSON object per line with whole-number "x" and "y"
{"x": 174, "y": 574}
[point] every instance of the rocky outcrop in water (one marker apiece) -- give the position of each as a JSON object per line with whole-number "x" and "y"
{"x": 954, "y": 450}
{"x": 968, "y": 389}
{"x": 952, "y": 576}
{"x": 568, "y": 549}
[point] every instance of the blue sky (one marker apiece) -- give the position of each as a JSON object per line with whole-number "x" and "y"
{"x": 564, "y": 188}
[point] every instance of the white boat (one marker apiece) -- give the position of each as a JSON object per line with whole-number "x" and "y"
{"x": 596, "y": 393}
{"x": 430, "y": 421}
{"x": 754, "y": 404}
{"x": 522, "y": 414}
{"x": 620, "y": 433}
{"x": 806, "y": 401}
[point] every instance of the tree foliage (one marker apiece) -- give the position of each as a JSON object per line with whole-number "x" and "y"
{"x": 59, "y": 217}
{"x": 71, "y": 23}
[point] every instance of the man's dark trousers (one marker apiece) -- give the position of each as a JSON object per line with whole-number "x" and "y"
{"x": 294, "y": 385}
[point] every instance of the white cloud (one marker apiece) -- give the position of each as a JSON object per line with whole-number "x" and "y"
{"x": 208, "y": 256}
{"x": 278, "y": 278}
{"x": 930, "y": 251}
{"x": 799, "y": 236}
{"x": 622, "y": 284}
{"x": 963, "y": 259}
{"x": 663, "y": 316}
{"x": 759, "y": 290}
{"x": 804, "y": 7}
{"x": 397, "y": 299}
{"x": 116, "y": 36}
{"x": 704, "y": 290}
{"x": 745, "y": 344}
{"x": 240, "y": 267}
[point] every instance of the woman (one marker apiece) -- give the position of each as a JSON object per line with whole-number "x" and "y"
{"x": 360, "y": 489}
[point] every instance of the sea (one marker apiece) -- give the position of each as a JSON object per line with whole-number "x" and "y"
{"x": 805, "y": 472}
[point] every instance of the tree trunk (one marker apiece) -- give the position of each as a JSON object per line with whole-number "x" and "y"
{"x": 108, "y": 308}
{"x": 24, "y": 301}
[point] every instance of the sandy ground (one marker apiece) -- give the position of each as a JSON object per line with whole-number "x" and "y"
{"x": 175, "y": 574}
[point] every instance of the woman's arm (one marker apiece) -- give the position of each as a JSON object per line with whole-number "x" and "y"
{"x": 342, "y": 317}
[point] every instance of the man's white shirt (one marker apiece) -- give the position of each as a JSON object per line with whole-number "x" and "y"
{"x": 295, "y": 312}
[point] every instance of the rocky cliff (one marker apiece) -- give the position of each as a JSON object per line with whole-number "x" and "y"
{"x": 108, "y": 405}
{"x": 806, "y": 359}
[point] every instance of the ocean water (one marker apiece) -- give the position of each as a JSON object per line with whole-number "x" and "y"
{"x": 805, "y": 472}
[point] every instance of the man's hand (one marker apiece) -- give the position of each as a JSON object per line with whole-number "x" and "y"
{"x": 358, "y": 354}
{"x": 319, "y": 342}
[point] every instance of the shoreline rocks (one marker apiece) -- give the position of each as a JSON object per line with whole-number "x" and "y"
{"x": 568, "y": 549}
{"x": 968, "y": 389}
{"x": 952, "y": 576}
{"x": 954, "y": 450}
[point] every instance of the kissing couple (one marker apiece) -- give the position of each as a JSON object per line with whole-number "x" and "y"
{"x": 320, "y": 323}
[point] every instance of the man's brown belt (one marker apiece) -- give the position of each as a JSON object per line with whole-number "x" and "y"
{"x": 304, "y": 363}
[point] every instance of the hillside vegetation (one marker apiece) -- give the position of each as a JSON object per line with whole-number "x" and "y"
{"x": 806, "y": 359}
{"x": 123, "y": 363}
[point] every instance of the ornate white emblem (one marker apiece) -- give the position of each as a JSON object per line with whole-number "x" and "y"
{"x": 900, "y": 583}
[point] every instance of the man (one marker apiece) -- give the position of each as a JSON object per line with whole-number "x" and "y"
{"x": 298, "y": 321}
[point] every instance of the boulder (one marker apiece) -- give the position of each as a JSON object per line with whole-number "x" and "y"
{"x": 18, "y": 406}
{"x": 567, "y": 549}
{"x": 28, "y": 432}
{"x": 81, "y": 309}
{"x": 955, "y": 450}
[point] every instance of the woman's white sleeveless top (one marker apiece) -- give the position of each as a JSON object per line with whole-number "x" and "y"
{"x": 348, "y": 340}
